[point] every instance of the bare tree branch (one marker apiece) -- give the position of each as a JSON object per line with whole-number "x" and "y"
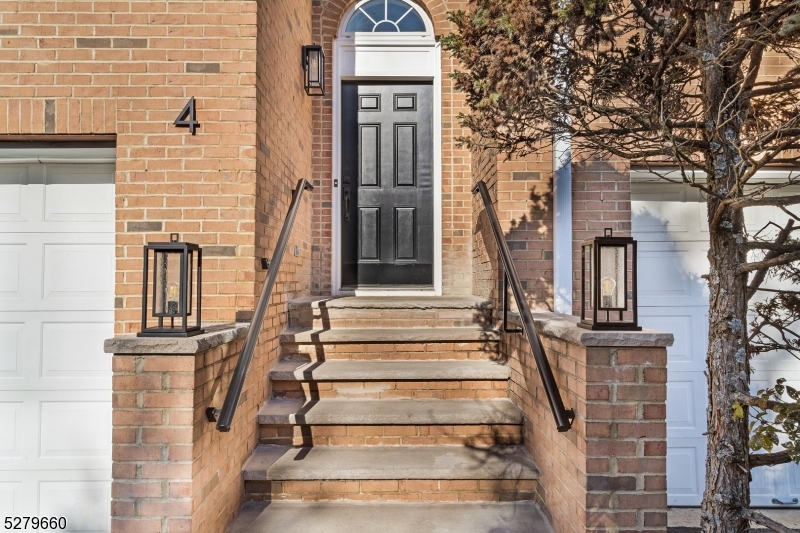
{"x": 769, "y": 459}
{"x": 767, "y": 522}
{"x": 783, "y": 259}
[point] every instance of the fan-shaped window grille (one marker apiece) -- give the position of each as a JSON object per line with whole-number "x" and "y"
{"x": 383, "y": 16}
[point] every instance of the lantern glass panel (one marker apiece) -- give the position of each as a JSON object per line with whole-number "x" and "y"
{"x": 167, "y": 284}
{"x": 612, "y": 277}
{"x": 313, "y": 67}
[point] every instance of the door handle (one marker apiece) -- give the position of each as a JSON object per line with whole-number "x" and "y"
{"x": 346, "y": 204}
{"x": 776, "y": 501}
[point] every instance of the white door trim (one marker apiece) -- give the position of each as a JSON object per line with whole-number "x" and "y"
{"x": 393, "y": 59}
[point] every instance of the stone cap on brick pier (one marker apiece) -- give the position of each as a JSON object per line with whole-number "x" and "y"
{"x": 215, "y": 335}
{"x": 565, "y": 327}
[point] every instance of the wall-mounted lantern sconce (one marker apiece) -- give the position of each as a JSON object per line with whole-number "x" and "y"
{"x": 314, "y": 70}
{"x": 606, "y": 285}
{"x": 176, "y": 269}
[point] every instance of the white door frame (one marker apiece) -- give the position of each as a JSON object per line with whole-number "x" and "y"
{"x": 383, "y": 57}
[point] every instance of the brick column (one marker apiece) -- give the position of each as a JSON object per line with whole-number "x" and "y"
{"x": 608, "y": 473}
{"x": 172, "y": 470}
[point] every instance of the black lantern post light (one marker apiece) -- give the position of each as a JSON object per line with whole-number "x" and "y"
{"x": 176, "y": 269}
{"x": 605, "y": 260}
{"x": 314, "y": 70}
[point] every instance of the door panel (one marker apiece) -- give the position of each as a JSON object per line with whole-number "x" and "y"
{"x": 387, "y": 184}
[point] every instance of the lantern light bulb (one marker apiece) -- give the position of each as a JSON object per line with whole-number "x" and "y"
{"x": 607, "y": 286}
{"x": 172, "y": 292}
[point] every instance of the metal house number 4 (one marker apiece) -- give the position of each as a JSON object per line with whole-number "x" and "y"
{"x": 187, "y": 117}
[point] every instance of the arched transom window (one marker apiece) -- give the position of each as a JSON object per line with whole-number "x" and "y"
{"x": 385, "y": 16}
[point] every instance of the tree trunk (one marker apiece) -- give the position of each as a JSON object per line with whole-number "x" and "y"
{"x": 727, "y": 491}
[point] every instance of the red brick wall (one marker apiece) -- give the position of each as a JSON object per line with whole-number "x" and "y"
{"x": 608, "y": 473}
{"x": 127, "y": 69}
{"x": 601, "y": 198}
{"x": 172, "y": 470}
{"x": 456, "y": 202}
{"x": 522, "y": 192}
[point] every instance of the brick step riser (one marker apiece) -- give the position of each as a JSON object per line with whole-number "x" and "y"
{"x": 388, "y": 318}
{"x": 401, "y": 351}
{"x": 376, "y": 390}
{"x": 394, "y": 490}
{"x": 410, "y": 435}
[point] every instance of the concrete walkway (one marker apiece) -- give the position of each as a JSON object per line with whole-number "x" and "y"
{"x": 349, "y": 517}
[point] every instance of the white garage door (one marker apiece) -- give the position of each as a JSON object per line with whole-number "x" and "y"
{"x": 670, "y": 223}
{"x": 56, "y": 307}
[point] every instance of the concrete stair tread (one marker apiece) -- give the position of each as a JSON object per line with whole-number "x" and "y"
{"x": 390, "y": 302}
{"x": 388, "y": 412}
{"x": 281, "y": 463}
{"x": 388, "y": 370}
{"x": 398, "y": 335}
{"x": 358, "y": 517}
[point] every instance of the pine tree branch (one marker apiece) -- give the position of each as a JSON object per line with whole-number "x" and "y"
{"x": 782, "y": 259}
{"x": 777, "y": 201}
{"x": 761, "y": 274}
{"x": 769, "y": 523}
{"x": 769, "y": 459}
{"x": 754, "y": 401}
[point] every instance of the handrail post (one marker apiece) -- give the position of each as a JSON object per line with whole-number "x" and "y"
{"x": 562, "y": 416}
{"x": 225, "y": 418}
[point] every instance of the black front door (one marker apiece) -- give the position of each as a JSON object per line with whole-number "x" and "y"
{"x": 387, "y": 184}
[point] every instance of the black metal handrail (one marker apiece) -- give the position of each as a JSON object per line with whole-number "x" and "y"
{"x": 224, "y": 417}
{"x": 562, "y": 416}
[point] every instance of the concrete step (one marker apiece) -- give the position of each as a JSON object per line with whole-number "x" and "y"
{"x": 388, "y": 370}
{"x": 437, "y": 350}
{"x": 389, "y": 311}
{"x": 282, "y": 463}
{"x": 392, "y": 435}
{"x": 392, "y": 390}
{"x": 388, "y": 335}
{"x": 388, "y": 412}
{"x": 356, "y": 517}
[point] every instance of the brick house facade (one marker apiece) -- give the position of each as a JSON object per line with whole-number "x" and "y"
{"x": 78, "y": 75}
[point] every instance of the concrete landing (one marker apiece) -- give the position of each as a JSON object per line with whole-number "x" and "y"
{"x": 388, "y": 370}
{"x": 349, "y": 412}
{"x": 280, "y": 463}
{"x": 398, "y": 335}
{"x": 346, "y": 517}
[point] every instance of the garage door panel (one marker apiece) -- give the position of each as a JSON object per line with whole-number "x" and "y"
{"x": 70, "y": 349}
{"x": 59, "y": 350}
{"x": 86, "y": 504}
{"x": 684, "y": 464}
{"x": 12, "y": 181}
{"x": 8, "y": 498}
{"x": 686, "y": 416}
{"x": 670, "y": 274}
{"x": 75, "y": 429}
{"x": 82, "y": 496}
{"x": 12, "y": 349}
{"x": 11, "y": 436}
{"x": 12, "y": 266}
{"x": 771, "y": 483}
{"x": 78, "y": 271}
{"x": 47, "y": 272}
{"x": 48, "y": 427}
{"x": 689, "y": 325}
